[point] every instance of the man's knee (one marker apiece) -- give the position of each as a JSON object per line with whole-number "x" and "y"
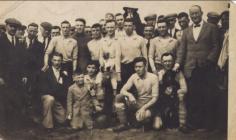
{"x": 48, "y": 99}
{"x": 157, "y": 123}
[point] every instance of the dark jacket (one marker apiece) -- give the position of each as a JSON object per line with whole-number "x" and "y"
{"x": 50, "y": 86}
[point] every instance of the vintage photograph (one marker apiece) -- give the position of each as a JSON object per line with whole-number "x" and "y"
{"x": 114, "y": 70}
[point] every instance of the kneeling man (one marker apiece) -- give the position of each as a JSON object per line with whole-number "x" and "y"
{"x": 139, "y": 105}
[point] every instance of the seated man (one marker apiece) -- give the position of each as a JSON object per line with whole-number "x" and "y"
{"x": 54, "y": 85}
{"x": 172, "y": 90}
{"x": 139, "y": 106}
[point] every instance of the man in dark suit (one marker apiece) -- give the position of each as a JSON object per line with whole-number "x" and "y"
{"x": 12, "y": 76}
{"x": 171, "y": 20}
{"x": 197, "y": 54}
{"x": 82, "y": 40}
{"x": 53, "y": 88}
{"x": 45, "y": 28}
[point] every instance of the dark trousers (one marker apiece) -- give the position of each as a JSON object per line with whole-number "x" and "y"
{"x": 201, "y": 98}
{"x": 126, "y": 71}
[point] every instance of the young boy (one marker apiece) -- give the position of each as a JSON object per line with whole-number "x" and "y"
{"x": 79, "y": 103}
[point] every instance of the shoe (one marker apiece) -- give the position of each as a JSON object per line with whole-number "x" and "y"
{"x": 184, "y": 129}
{"x": 120, "y": 128}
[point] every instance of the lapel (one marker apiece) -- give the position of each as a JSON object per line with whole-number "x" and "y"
{"x": 191, "y": 33}
{"x": 202, "y": 31}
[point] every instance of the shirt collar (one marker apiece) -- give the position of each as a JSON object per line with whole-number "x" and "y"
{"x": 201, "y": 23}
{"x": 10, "y": 37}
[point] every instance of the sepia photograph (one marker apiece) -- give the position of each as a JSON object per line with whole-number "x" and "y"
{"x": 116, "y": 70}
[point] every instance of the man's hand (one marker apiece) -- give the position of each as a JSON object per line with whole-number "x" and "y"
{"x": 132, "y": 99}
{"x": 176, "y": 67}
{"x": 140, "y": 114}
{"x": 24, "y": 80}
{"x": 2, "y": 82}
{"x": 69, "y": 117}
{"x": 45, "y": 67}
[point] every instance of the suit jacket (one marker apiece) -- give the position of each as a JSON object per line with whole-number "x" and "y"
{"x": 193, "y": 53}
{"x": 11, "y": 61}
{"x": 50, "y": 86}
{"x": 34, "y": 57}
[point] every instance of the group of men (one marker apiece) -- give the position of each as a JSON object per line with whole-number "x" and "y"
{"x": 159, "y": 75}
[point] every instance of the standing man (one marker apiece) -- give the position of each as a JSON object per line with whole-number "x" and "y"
{"x": 119, "y": 25}
{"x": 95, "y": 44}
{"x": 102, "y": 22}
{"x": 12, "y": 76}
{"x": 132, "y": 46}
{"x": 53, "y": 87}
{"x": 65, "y": 45}
{"x": 82, "y": 41}
{"x": 110, "y": 54}
{"x": 197, "y": 54}
{"x": 160, "y": 45}
{"x": 171, "y": 20}
{"x": 45, "y": 29}
{"x": 56, "y": 31}
{"x": 183, "y": 21}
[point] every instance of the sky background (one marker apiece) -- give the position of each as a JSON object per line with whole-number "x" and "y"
{"x": 93, "y": 11}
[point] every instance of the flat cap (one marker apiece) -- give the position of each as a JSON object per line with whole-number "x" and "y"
{"x": 13, "y": 21}
{"x": 150, "y": 17}
{"x": 171, "y": 16}
{"x": 46, "y": 25}
{"x": 213, "y": 15}
{"x": 131, "y": 8}
{"x": 2, "y": 26}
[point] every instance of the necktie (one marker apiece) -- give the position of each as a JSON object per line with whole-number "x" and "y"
{"x": 44, "y": 42}
{"x": 30, "y": 43}
{"x": 171, "y": 32}
{"x": 12, "y": 41}
{"x": 148, "y": 44}
{"x": 197, "y": 25}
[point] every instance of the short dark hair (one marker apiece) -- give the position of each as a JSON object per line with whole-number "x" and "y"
{"x": 167, "y": 54}
{"x": 109, "y": 21}
{"x": 182, "y": 14}
{"x": 129, "y": 20}
{"x": 81, "y": 20}
{"x": 92, "y": 62}
{"x": 148, "y": 25}
{"x": 226, "y": 13}
{"x": 140, "y": 59}
{"x": 57, "y": 54}
{"x": 162, "y": 21}
{"x": 33, "y": 24}
{"x": 110, "y": 14}
{"x": 77, "y": 72}
{"x": 118, "y": 14}
{"x": 56, "y": 27}
{"x": 96, "y": 25}
{"x": 65, "y": 22}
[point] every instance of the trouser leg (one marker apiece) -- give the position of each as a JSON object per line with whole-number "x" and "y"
{"x": 48, "y": 102}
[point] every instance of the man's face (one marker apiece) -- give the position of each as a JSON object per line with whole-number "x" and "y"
{"x": 91, "y": 69}
{"x": 128, "y": 27}
{"x": 151, "y": 22}
{"x": 109, "y": 17}
{"x": 195, "y": 14}
{"x": 162, "y": 28}
{"x": 79, "y": 25}
{"x": 56, "y": 62}
{"x": 171, "y": 22}
{"x": 32, "y": 32}
{"x": 110, "y": 28}
{"x": 11, "y": 29}
{"x": 72, "y": 32}
{"x": 88, "y": 31}
{"x": 96, "y": 33}
{"x": 120, "y": 21}
{"x": 45, "y": 33}
{"x": 139, "y": 68}
{"x": 148, "y": 32}
{"x": 225, "y": 21}
{"x": 20, "y": 33}
{"x": 103, "y": 25}
{"x": 79, "y": 79}
{"x": 65, "y": 29}
{"x": 183, "y": 22}
{"x": 168, "y": 62}
{"x": 55, "y": 32}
